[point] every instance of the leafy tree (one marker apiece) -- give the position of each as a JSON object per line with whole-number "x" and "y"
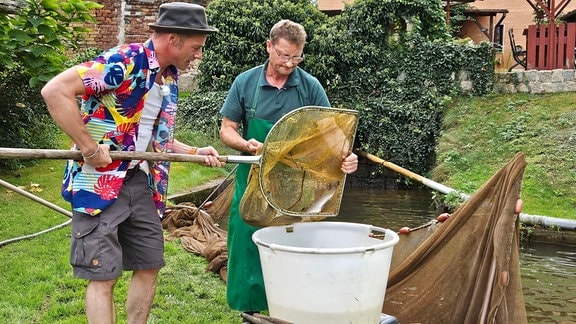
{"x": 35, "y": 40}
{"x": 395, "y": 62}
{"x": 243, "y": 30}
{"x": 33, "y": 47}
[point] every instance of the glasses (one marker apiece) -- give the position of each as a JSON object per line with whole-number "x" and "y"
{"x": 286, "y": 58}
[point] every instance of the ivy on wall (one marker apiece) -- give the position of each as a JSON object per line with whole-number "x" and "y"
{"x": 392, "y": 60}
{"x": 243, "y": 30}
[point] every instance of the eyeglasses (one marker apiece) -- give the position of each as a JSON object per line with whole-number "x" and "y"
{"x": 286, "y": 58}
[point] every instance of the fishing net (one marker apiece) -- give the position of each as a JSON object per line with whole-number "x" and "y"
{"x": 219, "y": 208}
{"x": 465, "y": 270}
{"x": 299, "y": 176}
{"x": 199, "y": 234}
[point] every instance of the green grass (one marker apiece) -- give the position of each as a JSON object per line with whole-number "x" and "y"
{"x": 481, "y": 134}
{"x": 185, "y": 176}
{"x": 37, "y": 286}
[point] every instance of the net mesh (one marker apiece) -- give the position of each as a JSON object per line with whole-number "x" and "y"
{"x": 299, "y": 176}
{"x": 465, "y": 270}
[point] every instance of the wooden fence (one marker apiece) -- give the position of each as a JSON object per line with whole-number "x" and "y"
{"x": 550, "y": 46}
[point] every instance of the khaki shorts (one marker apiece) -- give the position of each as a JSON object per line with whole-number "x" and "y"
{"x": 125, "y": 236}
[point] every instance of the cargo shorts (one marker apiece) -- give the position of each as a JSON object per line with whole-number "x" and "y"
{"x": 127, "y": 235}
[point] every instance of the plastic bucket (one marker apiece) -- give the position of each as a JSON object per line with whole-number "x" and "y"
{"x": 325, "y": 272}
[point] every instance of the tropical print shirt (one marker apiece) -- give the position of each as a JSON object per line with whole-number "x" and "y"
{"x": 116, "y": 84}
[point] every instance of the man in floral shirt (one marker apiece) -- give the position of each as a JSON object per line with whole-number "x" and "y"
{"x": 129, "y": 102}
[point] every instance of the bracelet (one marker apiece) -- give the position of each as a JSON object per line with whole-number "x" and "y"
{"x": 193, "y": 150}
{"x": 93, "y": 154}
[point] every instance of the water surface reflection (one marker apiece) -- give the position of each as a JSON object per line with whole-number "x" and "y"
{"x": 549, "y": 282}
{"x": 548, "y": 271}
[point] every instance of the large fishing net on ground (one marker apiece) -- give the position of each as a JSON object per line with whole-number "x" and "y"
{"x": 465, "y": 270}
{"x": 199, "y": 234}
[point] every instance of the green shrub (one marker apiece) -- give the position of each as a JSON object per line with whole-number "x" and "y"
{"x": 33, "y": 44}
{"x": 35, "y": 40}
{"x": 243, "y": 31}
{"x": 392, "y": 60}
{"x": 25, "y": 121}
{"x": 84, "y": 55}
{"x": 199, "y": 111}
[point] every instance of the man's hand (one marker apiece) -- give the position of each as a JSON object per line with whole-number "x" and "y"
{"x": 252, "y": 146}
{"x": 210, "y": 156}
{"x": 99, "y": 157}
{"x": 349, "y": 163}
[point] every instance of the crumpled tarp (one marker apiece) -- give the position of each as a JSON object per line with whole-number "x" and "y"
{"x": 466, "y": 269}
{"x": 199, "y": 234}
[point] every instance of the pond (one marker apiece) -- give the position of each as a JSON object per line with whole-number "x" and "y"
{"x": 548, "y": 271}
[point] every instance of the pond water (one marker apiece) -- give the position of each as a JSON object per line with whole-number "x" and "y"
{"x": 548, "y": 271}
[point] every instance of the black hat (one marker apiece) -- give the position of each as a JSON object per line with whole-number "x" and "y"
{"x": 182, "y": 17}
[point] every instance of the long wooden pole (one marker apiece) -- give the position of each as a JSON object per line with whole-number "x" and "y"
{"x": 562, "y": 223}
{"x": 31, "y": 154}
{"x": 416, "y": 177}
{"x": 39, "y": 200}
{"x": 36, "y": 198}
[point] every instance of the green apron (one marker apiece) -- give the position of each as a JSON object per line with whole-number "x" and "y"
{"x": 245, "y": 289}
{"x": 245, "y": 285}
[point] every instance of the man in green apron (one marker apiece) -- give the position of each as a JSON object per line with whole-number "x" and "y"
{"x": 257, "y": 99}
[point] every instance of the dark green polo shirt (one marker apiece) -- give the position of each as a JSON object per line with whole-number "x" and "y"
{"x": 301, "y": 89}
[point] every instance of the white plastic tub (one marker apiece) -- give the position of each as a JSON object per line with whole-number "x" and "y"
{"x": 325, "y": 272}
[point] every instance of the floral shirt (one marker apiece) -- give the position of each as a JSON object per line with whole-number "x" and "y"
{"x": 116, "y": 85}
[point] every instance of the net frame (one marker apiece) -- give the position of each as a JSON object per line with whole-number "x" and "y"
{"x": 299, "y": 176}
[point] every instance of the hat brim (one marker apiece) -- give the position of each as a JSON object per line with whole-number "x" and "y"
{"x": 182, "y": 30}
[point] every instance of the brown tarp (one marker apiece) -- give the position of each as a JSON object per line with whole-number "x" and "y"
{"x": 465, "y": 270}
{"x": 199, "y": 235}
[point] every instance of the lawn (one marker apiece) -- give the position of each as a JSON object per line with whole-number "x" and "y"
{"x": 481, "y": 134}
{"x": 37, "y": 286}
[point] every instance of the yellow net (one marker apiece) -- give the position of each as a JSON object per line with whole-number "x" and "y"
{"x": 299, "y": 176}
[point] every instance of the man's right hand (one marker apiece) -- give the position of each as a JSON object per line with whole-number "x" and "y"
{"x": 252, "y": 146}
{"x": 99, "y": 157}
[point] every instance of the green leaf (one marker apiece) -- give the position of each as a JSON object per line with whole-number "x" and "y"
{"x": 39, "y": 50}
{"x": 46, "y": 30}
{"x": 36, "y": 21}
{"x": 67, "y": 7}
{"x": 51, "y": 5}
{"x": 19, "y": 35}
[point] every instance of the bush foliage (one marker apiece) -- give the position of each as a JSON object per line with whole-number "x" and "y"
{"x": 33, "y": 45}
{"x": 392, "y": 60}
{"x": 243, "y": 31}
{"x": 35, "y": 40}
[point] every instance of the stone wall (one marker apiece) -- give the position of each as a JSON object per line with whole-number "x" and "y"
{"x": 11, "y": 6}
{"x": 534, "y": 81}
{"x": 531, "y": 81}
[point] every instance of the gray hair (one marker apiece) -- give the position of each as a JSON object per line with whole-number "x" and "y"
{"x": 288, "y": 30}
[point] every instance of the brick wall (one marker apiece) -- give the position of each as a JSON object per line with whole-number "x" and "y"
{"x": 124, "y": 21}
